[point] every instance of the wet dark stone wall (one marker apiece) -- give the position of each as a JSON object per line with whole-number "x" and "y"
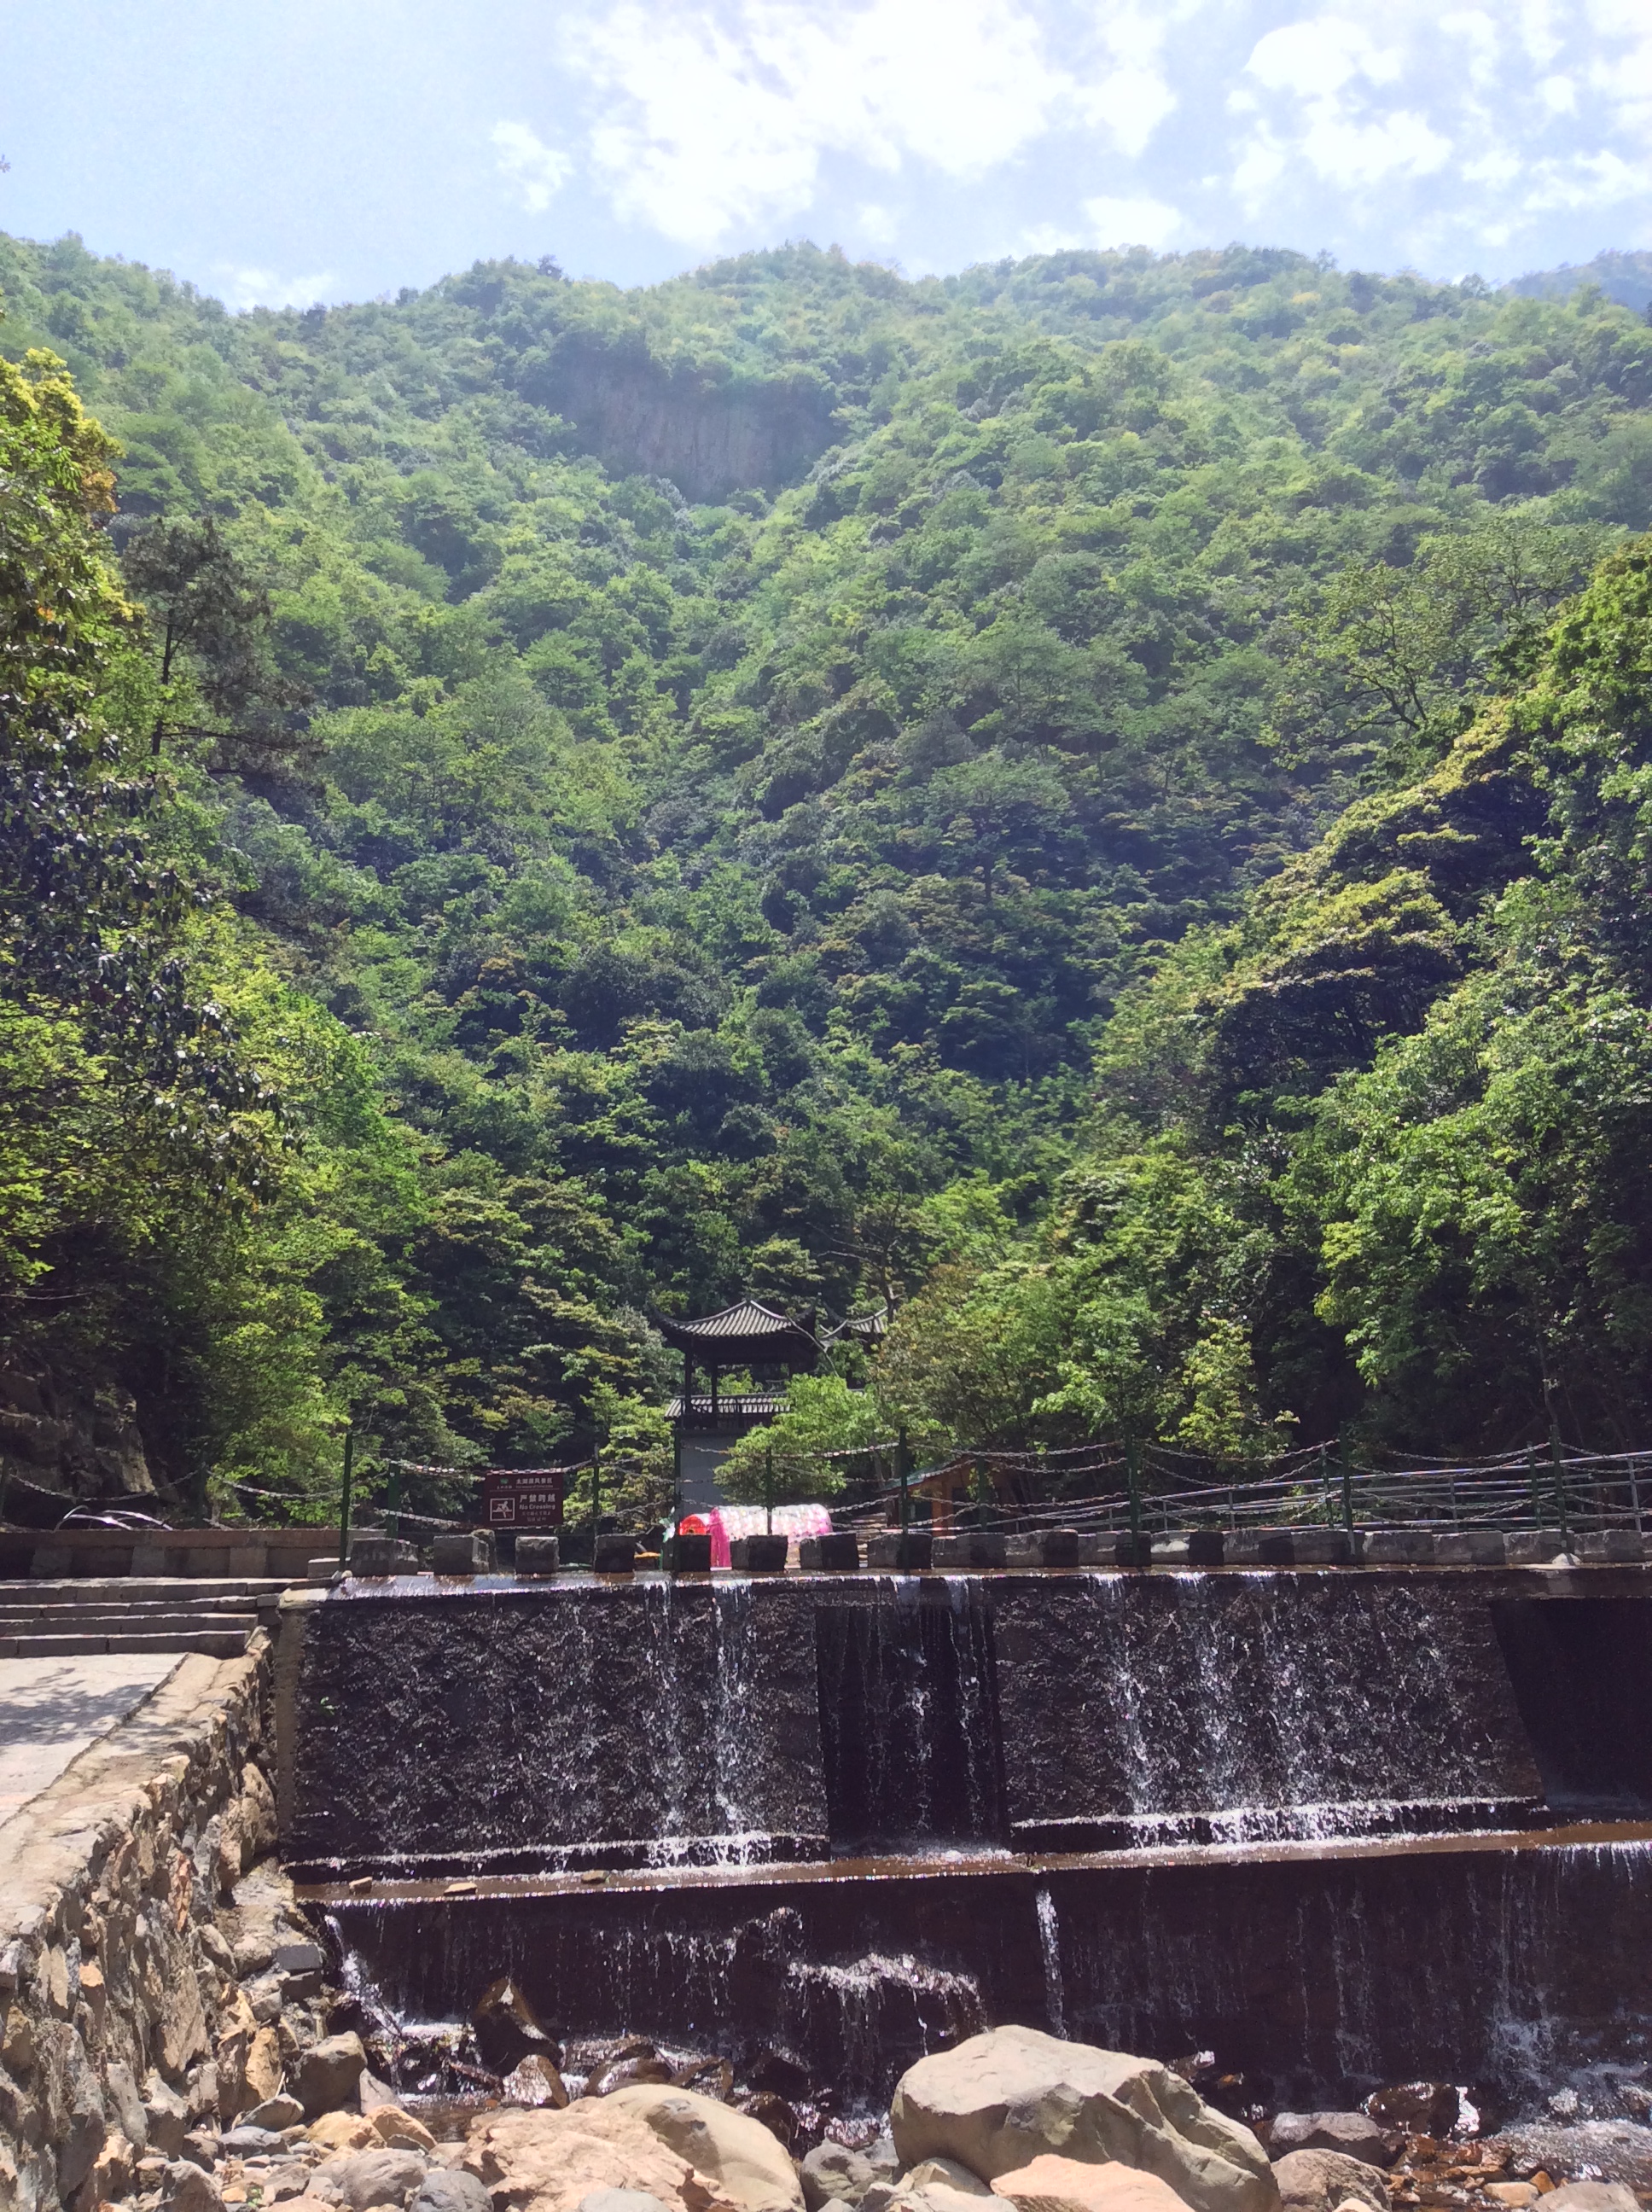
{"x": 1206, "y": 1707}
{"x": 1318, "y": 1977}
{"x": 614, "y": 1723}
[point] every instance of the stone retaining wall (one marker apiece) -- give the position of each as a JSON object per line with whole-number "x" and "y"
{"x": 111, "y": 1997}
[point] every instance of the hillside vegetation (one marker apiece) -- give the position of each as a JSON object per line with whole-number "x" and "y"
{"x": 1054, "y": 796}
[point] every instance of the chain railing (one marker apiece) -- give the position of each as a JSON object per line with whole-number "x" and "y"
{"x": 1110, "y": 1488}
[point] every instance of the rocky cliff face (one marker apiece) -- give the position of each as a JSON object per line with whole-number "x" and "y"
{"x": 710, "y": 433}
{"x": 59, "y": 1444}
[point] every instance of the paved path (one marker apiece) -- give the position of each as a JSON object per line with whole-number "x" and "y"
{"x": 51, "y": 1709}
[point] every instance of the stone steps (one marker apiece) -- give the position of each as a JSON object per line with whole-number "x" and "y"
{"x": 214, "y": 1642}
{"x": 87, "y": 1618}
{"x": 142, "y": 1590}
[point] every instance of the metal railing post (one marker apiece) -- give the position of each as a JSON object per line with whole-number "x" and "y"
{"x": 1560, "y": 1485}
{"x": 345, "y": 1500}
{"x": 1347, "y": 1487}
{"x": 768, "y": 1491}
{"x": 904, "y": 1476}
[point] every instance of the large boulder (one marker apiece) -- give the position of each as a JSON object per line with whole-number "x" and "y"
{"x": 690, "y": 2151}
{"x": 330, "y": 2074}
{"x": 749, "y": 2165}
{"x": 1593, "y": 2196}
{"x": 447, "y": 2189}
{"x": 371, "y": 2177}
{"x": 1321, "y": 2180}
{"x": 1071, "y": 2184}
{"x": 1002, "y": 2100}
{"x": 546, "y": 2161}
{"x": 1356, "y": 2135}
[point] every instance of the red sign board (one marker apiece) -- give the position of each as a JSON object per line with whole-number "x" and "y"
{"x": 523, "y": 1497}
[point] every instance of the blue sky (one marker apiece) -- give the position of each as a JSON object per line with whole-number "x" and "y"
{"x": 340, "y": 149}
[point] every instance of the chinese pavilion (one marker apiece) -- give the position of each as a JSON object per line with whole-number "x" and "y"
{"x": 747, "y": 1339}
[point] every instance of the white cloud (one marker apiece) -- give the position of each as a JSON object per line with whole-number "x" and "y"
{"x": 534, "y": 170}
{"x": 1590, "y": 181}
{"x": 1131, "y": 92}
{"x": 245, "y": 286}
{"x": 1422, "y": 128}
{"x": 1326, "y": 74}
{"x": 1317, "y": 59}
{"x": 715, "y": 118}
{"x": 1139, "y": 221}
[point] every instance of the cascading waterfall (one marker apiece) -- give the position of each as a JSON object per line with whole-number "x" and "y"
{"x": 907, "y": 1709}
{"x": 1237, "y": 1712}
{"x": 958, "y": 1761}
{"x": 1049, "y": 1950}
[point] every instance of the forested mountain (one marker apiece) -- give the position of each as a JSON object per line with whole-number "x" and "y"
{"x": 1039, "y": 794}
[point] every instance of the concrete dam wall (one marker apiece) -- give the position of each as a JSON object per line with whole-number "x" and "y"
{"x": 646, "y": 1722}
{"x": 1323, "y": 1823}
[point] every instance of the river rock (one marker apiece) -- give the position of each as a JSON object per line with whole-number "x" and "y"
{"x": 375, "y": 2177}
{"x": 834, "y": 2174}
{"x": 550, "y": 2161}
{"x": 166, "y": 2116}
{"x": 1002, "y": 2100}
{"x": 1416, "y": 2108}
{"x": 1049, "y": 2184}
{"x": 710, "y": 2077}
{"x": 449, "y": 2189}
{"x": 1355, "y": 2134}
{"x": 399, "y": 2130}
{"x": 1593, "y": 2196}
{"x": 507, "y": 2029}
{"x": 329, "y": 2075}
{"x": 187, "y": 2187}
{"x": 1321, "y": 2180}
{"x": 750, "y": 2167}
{"x": 946, "y": 2173}
{"x": 776, "y": 2115}
{"x": 646, "y": 2066}
{"x": 534, "y": 2082}
{"x": 342, "y": 2131}
{"x": 247, "y": 2141}
{"x": 277, "y": 2113}
{"x": 621, "y": 2200}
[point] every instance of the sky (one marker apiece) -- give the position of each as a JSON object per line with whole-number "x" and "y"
{"x": 332, "y": 150}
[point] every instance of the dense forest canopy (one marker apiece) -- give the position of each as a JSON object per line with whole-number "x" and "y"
{"x": 1094, "y": 799}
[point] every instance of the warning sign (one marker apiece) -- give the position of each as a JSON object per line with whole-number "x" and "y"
{"x": 523, "y": 1497}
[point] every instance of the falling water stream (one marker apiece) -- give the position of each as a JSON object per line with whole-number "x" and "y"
{"x": 824, "y": 1794}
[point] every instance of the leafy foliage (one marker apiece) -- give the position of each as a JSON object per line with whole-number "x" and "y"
{"x": 662, "y": 794}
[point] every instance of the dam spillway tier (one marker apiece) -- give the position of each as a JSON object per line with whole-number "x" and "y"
{"x": 1340, "y": 1826}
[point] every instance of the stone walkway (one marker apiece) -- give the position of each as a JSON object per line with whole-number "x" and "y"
{"x": 51, "y": 1709}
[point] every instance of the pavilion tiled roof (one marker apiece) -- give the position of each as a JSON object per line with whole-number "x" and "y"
{"x": 742, "y": 1334}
